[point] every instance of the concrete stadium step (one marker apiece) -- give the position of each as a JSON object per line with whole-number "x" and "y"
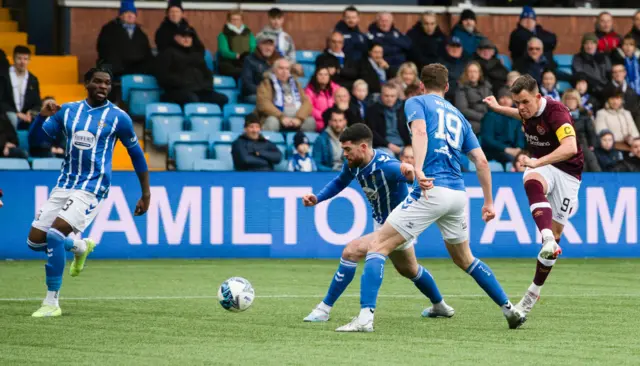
{"x": 5, "y": 15}
{"x": 121, "y": 159}
{"x": 55, "y": 69}
{"x": 13, "y": 37}
{"x": 64, "y": 93}
{"x": 8, "y": 26}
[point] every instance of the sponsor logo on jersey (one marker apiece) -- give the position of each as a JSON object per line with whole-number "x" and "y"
{"x": 83, "y": 140}
{"x": 541, "y": 130}
{"x": 371, "y": 194}
{"x": 444, "y": 150}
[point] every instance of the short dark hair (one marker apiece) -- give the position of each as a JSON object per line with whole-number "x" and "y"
{"x": 434, "y": 77}
{"x": 412, "y": 90}
{"x": 374, "y": 44}
{"x": 524, "y": 82}
{"x": 251, "y": 118}
{"x": 99, "y": 68}
{"x": 275, "y": 13}
{"x": 350, "y": 8}
{"x": 337, "y": 111}
{"x": 21, "y": 50}
{"x": 356, "y": 133}
{"x": 629, "y": 37}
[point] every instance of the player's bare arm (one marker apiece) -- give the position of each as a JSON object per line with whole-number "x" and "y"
{"x": 493, "y": 104}
{"x": 419, "y": 142}
{"x": 568, "y": 148}
{"x": 484, "y": 177}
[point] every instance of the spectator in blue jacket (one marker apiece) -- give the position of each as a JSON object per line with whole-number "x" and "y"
{"x": 301, "y": 161}
{"x": 502, "y": 136}
{"x": 327, "y": 150}
{"x": 455, "y": 61}
{"x": 251, "y": 151}
{"x": 396, "y": 46}
{"x": 528, "y": 28}
{"x": 466, "y": 31}
{"x": 256, "y": 64}
{"x": 355, "y": 42}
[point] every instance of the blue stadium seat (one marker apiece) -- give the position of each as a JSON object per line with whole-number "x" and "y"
{"x": 283, "y": 150}
{"x": 186, "y": 138}
{"x": 223, "y": 82}
{"x": 187, "y": 155}
{"x": 275, "y": 137}
{"x": 239, "y": 110}
{"x": 23, "y": 139}
{"x": 282, "y": 166}
{"x": 208, "y": 59}
{"x": 163, "y": 127}
{"x": 14, "y": 164}
{"x": 506, "y": 61}
{"x": 164, "y": 109}
{"x": 139, "y": 100}
{"x": 508, "y": 167}
{"x": 307, "y": 56}
{"x": 566, "y": 69}
{"x": 212, "y": 165}
{"x": 308, "y": 69}
{"x": 138, "y": 91}
{"x": 47, "y": 164}
{"x": 206, "y": 125}
{"x": 201, "y": 109}
{"x": 222, "y": 145}
{"x": 232, "y": 94}
{"x": 236, "y": 124}
{"x": 563, "y": 85}
{"x": 494, "y": 166}
{"x": 304, "y": 81}
{"x": 137, "y": 82}
{"x": 223, "y": 153}
{"x": 563, "y": 60}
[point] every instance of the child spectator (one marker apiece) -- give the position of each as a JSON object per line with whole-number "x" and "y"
{"x": 608, "y": 156}
{"x": 549, "y": 83}
{"x": 587, "y": 101}
{"x": 301, "y": 161}
{"x": 360, "y": 91}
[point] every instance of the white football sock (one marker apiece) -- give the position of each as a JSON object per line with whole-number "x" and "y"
{"x": 507, "y": 308}
{"x": 52, "y": 298}
{"x": 366, "y": 315}
{"x": 79, "y": 246}
{"x": 535, "y": 289}
{"x": 324, "y": 307}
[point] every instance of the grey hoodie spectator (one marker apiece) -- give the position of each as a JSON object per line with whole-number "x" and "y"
{"x": 251, "y": 151}
{"x": 427, "y": 40}
{"x": 471, "y": 92}
{"x": 355, "y": 42}
{"x": 256, "y": 65}
{"x": 591, "y": 63}
{"x": 395, "y": 44}
{"x": 528, "y": 28}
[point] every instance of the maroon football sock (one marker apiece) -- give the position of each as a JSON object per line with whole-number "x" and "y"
{"x": 540, "y": 207}
{"x": 543, "y": 270}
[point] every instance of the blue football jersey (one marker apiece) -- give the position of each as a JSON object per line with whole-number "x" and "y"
{"x": 449, "y": 135}
{"x": 382, "y": 183}
{"x": 90, "y": 135}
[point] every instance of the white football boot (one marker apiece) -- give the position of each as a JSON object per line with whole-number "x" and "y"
{"x": 550, "y": 249}
{"x": 317, "y": 315}
{"x": 356, "y": 326}
{"x": 514, "y": 316}
{"x": 440, "y": 310}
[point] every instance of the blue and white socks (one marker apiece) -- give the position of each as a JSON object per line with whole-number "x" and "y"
{"x": 370, "y": 285}
{"x": 341, "y": 280}
{"x": 427, "y": 285}
{"x": 488, "y": 281}
{"x": 54, "y": 269}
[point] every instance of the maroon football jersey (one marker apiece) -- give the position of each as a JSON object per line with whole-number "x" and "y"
{"x": 542, "y": 136}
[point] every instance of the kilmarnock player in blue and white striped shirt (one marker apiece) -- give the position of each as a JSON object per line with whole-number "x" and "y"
{"x": 384, "y": 181}
{"x": 90, "y": 127}
{"x": 440, "y": 133}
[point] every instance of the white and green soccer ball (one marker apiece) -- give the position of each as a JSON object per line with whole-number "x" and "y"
{"x": 236, "y": 294}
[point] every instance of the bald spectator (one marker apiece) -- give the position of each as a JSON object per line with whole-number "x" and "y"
{"x": 355, "y": 42}
{"x": 630, "y": 98}
{"x": 396, "y": 45}
{"x": 455, "y": 61}
{"x": 535, "y": 62}
{"x": 282, "y": 103}
{"x": 427, "y": 40}
{"x": 466, "y": 30}
{"x": 635, "y": 28}
{"x": 334, "y": 59}
{"x": 608, "y": 39}
{"x": 342, "y": 103}
{"x": 594, "y": 65}
{"x": 492, "y": 68}
{"x": 528, "y": 28}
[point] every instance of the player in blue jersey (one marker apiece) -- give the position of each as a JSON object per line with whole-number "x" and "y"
{"x": 90, "y": 128}
{"x": 440, "y": 134}
{"x": 384, "y": 181}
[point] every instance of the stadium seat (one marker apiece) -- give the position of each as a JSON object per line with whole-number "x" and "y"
{"x": 186, "y": 138}
{"x": 506, "y": 61}
{"x": 307, "y": 56}
{"x": 64, "y": 93}
{"x": 137, "y": 82}
{"x": 222, "y": 145}
{"x": 212, "y": 165}
{"x": 23, "y": 139}
{"x": 140, "y": 98}
{"x": 202, "y": 109}
{"x": 208, "y": 59}
{"x": 237, "y": 110}
{"x": 495, "y": 166}
{"x": 55, "y": 69}
{"x": 282, "y": 166}
{"x": 283, "y": 150}
{"x": 562, "y": 86}
{"x": 8, "y": 26}
{"x": 5, "y": 15}
{"x": 312, "y": 136}
{"x": 187, "y": 155}
{"x": 223, "y": 153}
{"x": 223, "y": 82}
{"x": 160, "y": 109}
{"x": 206, "y": 125}
{"x": 563, "y": 60}
{"x": 232, "y": 94}
{"x": 308, "y": 69}
{"x": 566, "y": 70}
{"x": 236, "y": 124}
{"x": 164, "y": 126}
{"x": 47, "y": 164}
{"x": 14, "y": 164}
{"x": 275, "y": 137}
{"x": 304, "y": 81}
{"x": 508, "y": 167}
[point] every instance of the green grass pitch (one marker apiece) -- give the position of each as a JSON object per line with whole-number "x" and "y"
{"x": 165, "y": 312}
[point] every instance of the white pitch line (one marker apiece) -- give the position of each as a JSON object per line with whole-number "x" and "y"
{"x": 117, "y": 298}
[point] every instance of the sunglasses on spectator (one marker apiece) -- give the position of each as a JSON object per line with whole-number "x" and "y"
{"x": 535, "y": 48}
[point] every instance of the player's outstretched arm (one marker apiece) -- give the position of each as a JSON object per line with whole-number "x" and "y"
{"x": 484, "y": 177}
{"x": 493, "y": 104}
{"x": 567, "y": 149}
{"x": 46, "y": 125}
{"x": 336, "y": 185}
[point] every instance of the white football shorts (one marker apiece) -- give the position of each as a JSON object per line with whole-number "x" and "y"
{"x": 562, "y": 191}
{"x": 404, "y": 246}
{"x": 76, "y": 207}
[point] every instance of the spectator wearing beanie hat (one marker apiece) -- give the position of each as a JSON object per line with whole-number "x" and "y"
{"x": 168, "y": 29}
{"x": 467, "y": 32}
{"x": 528, "y": 28}
{"x": 301, "y": 161}
{"x": 123, "y": 44}
{"x": 591, "y": 63}
{"x": 252, "y": 151}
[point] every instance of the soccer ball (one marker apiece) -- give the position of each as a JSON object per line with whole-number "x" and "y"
{"x": 236, "y": 294}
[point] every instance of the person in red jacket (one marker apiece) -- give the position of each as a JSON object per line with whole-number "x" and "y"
{"x": 608, "y": 39}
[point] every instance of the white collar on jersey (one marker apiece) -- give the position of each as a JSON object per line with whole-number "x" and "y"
{"x": 543, "y": 105}
{"x": 102, "y": 106}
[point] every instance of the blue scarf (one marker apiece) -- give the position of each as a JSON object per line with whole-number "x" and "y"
{"x": 632, "y": 64}
{"x": 382, "y": 75}
{"x": 362, "y": 108}
{"x": 553, "y": 93}
{"x": 130, "y": 28}
{"x": 583, "y": 102}
{"x": 278, "y": 94}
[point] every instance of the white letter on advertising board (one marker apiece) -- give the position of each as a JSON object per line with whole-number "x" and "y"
{"x": 359, "y": 218}
{"x": 190, "y": 206}
{"x": 216, "y": 214}
{"x": 624, "y": 211}
{"x": 506, "y": 199}
{"x": 290, "y": 196}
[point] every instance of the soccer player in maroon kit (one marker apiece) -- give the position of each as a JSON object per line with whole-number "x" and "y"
{"x": 553, "y": 174}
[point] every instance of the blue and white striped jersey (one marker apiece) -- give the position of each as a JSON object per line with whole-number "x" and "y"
{"x": 381, "y": 180}
{"x": 90, "y": 135}
{"x": 449, "y": 135}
